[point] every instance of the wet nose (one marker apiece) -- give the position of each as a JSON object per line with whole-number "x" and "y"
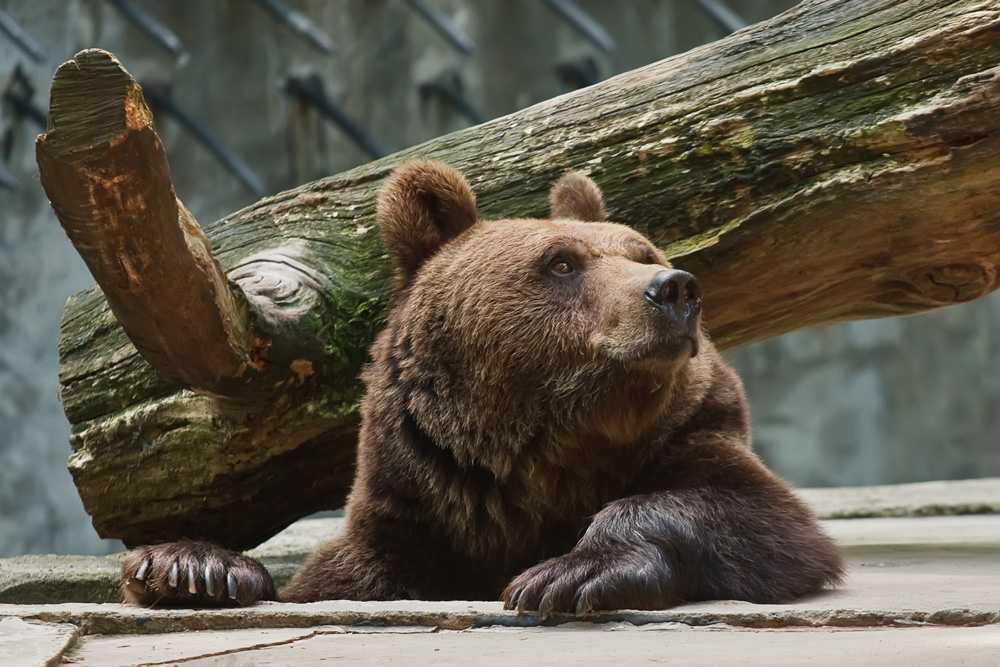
{"x": 675, "y": 290}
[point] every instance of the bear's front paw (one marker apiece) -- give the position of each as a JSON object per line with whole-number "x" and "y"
{"x": 580, "y": 583}
{"x": 193, "y": 574}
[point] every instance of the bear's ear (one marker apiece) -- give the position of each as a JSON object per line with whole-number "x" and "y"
{"x": 423, "y": 205}
{"x": 576, "y": 197}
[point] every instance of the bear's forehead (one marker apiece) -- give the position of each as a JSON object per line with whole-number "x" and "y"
{"x": 598, "y": 238}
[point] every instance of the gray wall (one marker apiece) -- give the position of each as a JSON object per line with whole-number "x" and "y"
{"x": 861, "y": 403}
{"x": 877, "y": 402}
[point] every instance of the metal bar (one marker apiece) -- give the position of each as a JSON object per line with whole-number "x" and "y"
{"x": 309, "y": 89}
{"x": 150, "y": 25}
{"x": 583, "y": 23}
{"x": 579, "y": 73}
{"x": 451, "y": 32}
{"x": 161, "y": 96}
{"x": 300, "y": 24}
{"x": 449, "y": 86}
{"x": 23, "y": 105}
{"x": 24, "y": 41}
{"x": 721, "y": 13}
{"x": 19, "y": 93}
{"x": 8, "y": 180}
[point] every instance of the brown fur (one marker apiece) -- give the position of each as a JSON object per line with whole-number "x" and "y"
{"x": 542, "y": 432}
{"x": 576, "y": 197}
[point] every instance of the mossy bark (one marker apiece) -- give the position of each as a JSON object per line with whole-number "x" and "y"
{"x": 841, "y": 161}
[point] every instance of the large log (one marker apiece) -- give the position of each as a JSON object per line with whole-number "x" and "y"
{"x": 841, "y": 161}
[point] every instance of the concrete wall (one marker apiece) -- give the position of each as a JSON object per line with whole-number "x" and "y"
{"x": 878, "y": 402}
{"x": 861, "y": 403}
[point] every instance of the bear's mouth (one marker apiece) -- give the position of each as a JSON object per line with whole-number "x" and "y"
{"x": 676, "y": 338}
{"x": 674, "y": 347}
{"x": 657, "y": 341}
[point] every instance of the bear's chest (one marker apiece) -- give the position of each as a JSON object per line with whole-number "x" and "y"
{"x": 542, "y": 504}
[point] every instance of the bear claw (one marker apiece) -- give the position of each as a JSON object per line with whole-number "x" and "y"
{"x": 209, "y": 580}
{"x": 192, "y": 581}
{"x": 193, "y": 574}
{"x": 231, "y": 585}
{"x": 584, "y": 583}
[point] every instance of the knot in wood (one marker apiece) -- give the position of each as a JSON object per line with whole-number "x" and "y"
{"x": 277, "y": 283}
{"x": 953, "y": 283}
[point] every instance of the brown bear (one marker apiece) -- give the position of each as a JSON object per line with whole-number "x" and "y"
{"x": 546, "y": 421}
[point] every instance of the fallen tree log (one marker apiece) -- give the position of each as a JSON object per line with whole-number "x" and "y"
{"x": 841, "y": 161}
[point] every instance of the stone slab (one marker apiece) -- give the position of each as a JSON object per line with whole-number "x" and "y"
{"x": 613, "y": 644}
{"x": 921, "y": 533}
{"x": 51, "y": 579}
{"x": 300, "y": 539}
{"x": 33, "y": 643}
{"x": 967, "y": 496}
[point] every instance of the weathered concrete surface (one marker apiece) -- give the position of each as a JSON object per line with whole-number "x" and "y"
{"x": 50, "y": 579}
{"x": 970, "y": 496}
{"x": 302, "y": 537}
{"x": 921, "y": 534}
{"x": 617, "y": 644}
{"x": 34, "y": 644}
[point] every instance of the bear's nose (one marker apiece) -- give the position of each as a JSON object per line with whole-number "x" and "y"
{"x": 675, "y": 290}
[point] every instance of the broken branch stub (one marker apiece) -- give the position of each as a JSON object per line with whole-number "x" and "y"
{"x": 105, "y": 172}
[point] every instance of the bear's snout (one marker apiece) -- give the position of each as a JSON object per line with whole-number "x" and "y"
{"x": 677, "y": 295}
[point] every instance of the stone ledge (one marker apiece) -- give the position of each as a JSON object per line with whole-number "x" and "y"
{"x": 35, "y": 643}
{"x": 51, "y": 579}
{"x": 117, "y": 619}
{"x": 944, "y": 498}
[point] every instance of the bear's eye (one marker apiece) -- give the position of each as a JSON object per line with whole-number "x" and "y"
{"x": 561, "y": 267}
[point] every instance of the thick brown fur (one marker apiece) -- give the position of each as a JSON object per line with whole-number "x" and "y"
{"x": 547, "y": 422}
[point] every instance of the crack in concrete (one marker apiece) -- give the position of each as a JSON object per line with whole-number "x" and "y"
{"x": 318, "y": 632}
{"x": 234, "y": 651}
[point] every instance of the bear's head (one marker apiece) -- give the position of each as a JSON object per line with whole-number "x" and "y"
{"x": 510, "y": 332}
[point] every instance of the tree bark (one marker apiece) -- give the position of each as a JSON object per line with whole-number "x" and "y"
{"x": 840, "y": 161}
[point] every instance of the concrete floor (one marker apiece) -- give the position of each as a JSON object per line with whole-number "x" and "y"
{"x": 594, "y": 645}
